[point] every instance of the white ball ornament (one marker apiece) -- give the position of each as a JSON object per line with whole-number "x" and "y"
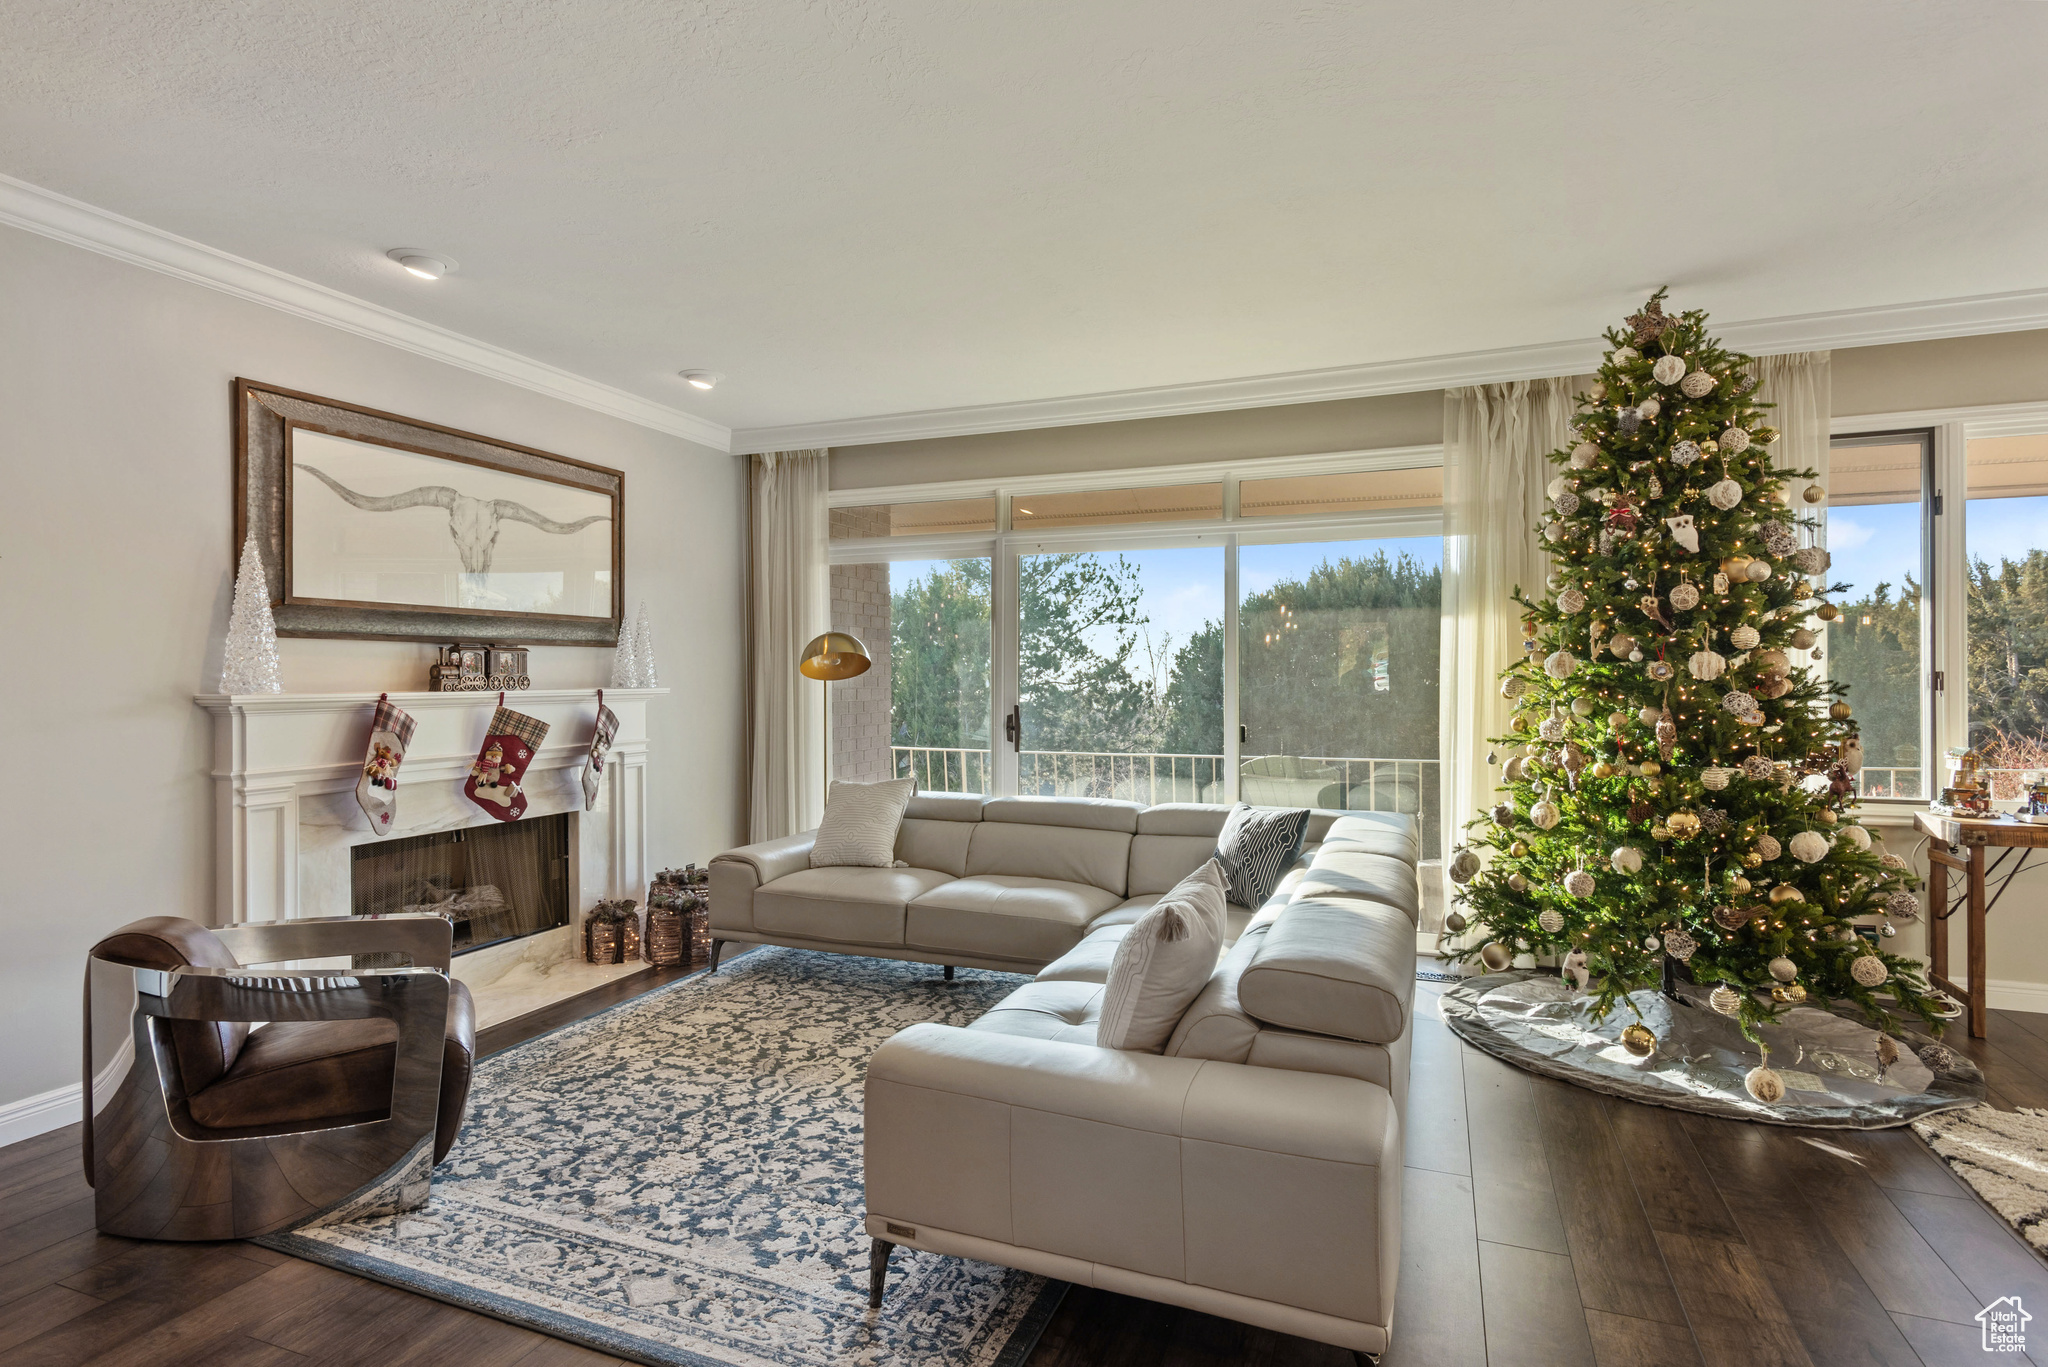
{"x": 1680, "y": 945}
{"x": 1557, "y": 486}
{"x": 1626, "y": 859}
{"x": 1579, "y": 883}
{"x": 1571, "y": 602}
{"x": 1648, "y": 715}
{"x": 1715, "y": 777}
{"x": 1584, "y": 455}
{"x": 1768, "y": 847}
{"x": 1705, "y": 664}
{"x": 1685, "y": 453}
{"x": 1624, "y": 354}
{"x": 1513, "y": 686}
{"x": 1697, "y": 385}
{"x": 1725, "y": 494}
{"x": 1560, "y": 664}
{"x": 1809, "y": 847}
{"x": 1744, "y": 638}
{"x": 1550, "y": 920}
{"x": 1668, "y": 369}
{"x": 1543, "y": 815}
{"x": 1725, "y": 999}
{"x": 1868, "y": 970}
{"x": 1856, "y": 836}
{"x": 1735, "y": 441}
{"x": 1554, "y": 531}
{"x": 1566, "y": 503}
{"x": 1685, "y": 596}
{"x": 1649, "y": 408}
{"x": 1757, "y": 571}
{"x": 1517, "y": 882}
{"x": 1464, "y": 866}
{"x": 1783, "y": 969}
{"x": 1765, "y": 1085}
{"x": 1802, "y": 639}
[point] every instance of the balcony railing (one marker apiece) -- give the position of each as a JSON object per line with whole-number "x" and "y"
{"x": 1339, "y": 782}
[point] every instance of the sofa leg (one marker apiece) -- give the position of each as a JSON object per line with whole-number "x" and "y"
{"x": 949, "y": 972}
{"x": 1365, "y": 1359}
{"x": 716, "y": 947}
{"x": 878, "y": 1271}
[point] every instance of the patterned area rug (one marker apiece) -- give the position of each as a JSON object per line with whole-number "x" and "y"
{"x": 2003, "y": 1155}
{"x": 678, "y": 1180}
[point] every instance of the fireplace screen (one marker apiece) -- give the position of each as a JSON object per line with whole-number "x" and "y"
{"x": 495, "y": 882}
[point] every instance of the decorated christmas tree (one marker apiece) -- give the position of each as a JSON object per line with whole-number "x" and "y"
{"x": 1677, "y": 786}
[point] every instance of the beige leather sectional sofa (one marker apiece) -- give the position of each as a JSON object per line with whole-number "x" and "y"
{"x": 1251, "y": 1170}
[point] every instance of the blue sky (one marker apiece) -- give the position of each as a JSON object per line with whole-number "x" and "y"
{"x": 1880, "y": 542}
{"x": 1183, "y": 588}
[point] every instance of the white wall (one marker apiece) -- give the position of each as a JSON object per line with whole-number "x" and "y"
{"x": 116, "y": 571}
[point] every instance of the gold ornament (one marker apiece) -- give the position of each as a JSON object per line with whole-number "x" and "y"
{"x": 1518, "y": 849}
{"x": 1827, "y": 612}
{"x": 1790, "y": 994}
{"x": 1739, "y": 886}
{"x": 1725, "y": 999}
{"x": 1496, "y": 957}
{"x": 1839, "y": 711}
{"x": 1639, "y": 1040}
{"x": 1813, "y": 493}
{"x": 1683, "y": 825}
{"x": 1752, "y": 859}
{"x": 1785, "y": 892}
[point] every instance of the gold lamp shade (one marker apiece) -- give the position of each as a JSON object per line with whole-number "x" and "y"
{"x": 835, "y": 655}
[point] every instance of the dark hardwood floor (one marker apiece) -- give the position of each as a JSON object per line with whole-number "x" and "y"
{"x": 1544, "y": 1225}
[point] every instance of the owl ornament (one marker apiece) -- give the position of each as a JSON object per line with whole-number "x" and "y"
{"x": 1575, "y": 968}
{"x": 1685, "y": 534}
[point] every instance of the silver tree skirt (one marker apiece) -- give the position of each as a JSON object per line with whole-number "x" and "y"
{"x": 1829, "y": 1064}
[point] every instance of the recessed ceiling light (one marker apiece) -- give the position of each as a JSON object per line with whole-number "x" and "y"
{"x": 701, "y": 379}
{"x": 422, "y": 264}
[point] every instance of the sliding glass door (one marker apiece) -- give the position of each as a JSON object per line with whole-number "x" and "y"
{"x": 1120, "y": 674}
{"x": 1337, "y": 680}
{"x": 922, "y": 709}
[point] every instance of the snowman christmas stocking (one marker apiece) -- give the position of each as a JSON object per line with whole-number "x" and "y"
{"x": 600, "y": 746}
{"x": 495, "y": 779}
{"x": 377, "y": 789}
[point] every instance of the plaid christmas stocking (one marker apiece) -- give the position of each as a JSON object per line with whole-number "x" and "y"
{"x": 600, "y": 746}
{"x": 377, "y": 789}
{"x": 494, "y": 780}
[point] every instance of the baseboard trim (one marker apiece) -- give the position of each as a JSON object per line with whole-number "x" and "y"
{"x": 2010, "y": 994}
{"x": 54, "y": 1109}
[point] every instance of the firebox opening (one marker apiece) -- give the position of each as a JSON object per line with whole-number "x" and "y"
{"x": 494, "y": 883}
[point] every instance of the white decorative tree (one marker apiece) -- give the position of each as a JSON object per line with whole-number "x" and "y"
{"x": 625, "y": 662}
{"x": 250, "y": 664}
{"x": 644, "y": 675}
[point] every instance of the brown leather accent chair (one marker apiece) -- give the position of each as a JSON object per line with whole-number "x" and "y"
{"x": 261, "y": 1097}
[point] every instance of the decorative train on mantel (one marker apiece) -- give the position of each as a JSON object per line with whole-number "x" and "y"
{"x": 466, "y": 668}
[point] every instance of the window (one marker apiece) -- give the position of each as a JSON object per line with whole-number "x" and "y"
{"x": 1941, "y": 529}
{"x": 1874, "y": 536}
{"x": 1337, "y": 676}
{"x": 1205, "y": 638}
{"x": 1364, "y": 491}
{"x": 2006, "y": 606}
{"x": 922, "y": 709}
{"x": 932, "y": 518}
{"x": 1119, "y": 674}
{"x": 1096, "y": 507}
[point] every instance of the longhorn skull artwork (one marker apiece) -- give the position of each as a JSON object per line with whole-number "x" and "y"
{"x": 473, "y": 523}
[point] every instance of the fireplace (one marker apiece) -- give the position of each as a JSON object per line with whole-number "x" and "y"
{"x": 498, "y": 882}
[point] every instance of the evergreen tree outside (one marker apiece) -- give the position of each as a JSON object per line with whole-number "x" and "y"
{"x": 1674, "y": 790}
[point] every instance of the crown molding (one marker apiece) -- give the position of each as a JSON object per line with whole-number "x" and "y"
{"x": 2018, "y": 311}
{"x": 49, "y": 214}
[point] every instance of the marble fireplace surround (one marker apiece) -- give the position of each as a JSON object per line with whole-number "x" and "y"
{"x": 285, "y": 767}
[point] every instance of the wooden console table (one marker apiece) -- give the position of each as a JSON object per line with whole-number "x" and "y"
{"x": 1962, "y": 844}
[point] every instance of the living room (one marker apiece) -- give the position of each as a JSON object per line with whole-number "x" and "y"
{"x": 977, "y": 687}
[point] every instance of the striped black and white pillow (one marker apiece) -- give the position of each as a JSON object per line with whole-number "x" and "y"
{"x": 860, "y": 825}
{"x": 1255, "y": 848}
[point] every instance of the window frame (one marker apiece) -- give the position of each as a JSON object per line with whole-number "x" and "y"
{"x": 1007, "y": 544}
{"x": 1944, "y": 632}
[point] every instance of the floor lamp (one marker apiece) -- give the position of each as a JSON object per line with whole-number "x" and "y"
{"x": 835, "y": 655}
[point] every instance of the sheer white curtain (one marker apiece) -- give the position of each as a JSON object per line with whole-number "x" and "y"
{"x": 791, "y": 605}
{"x": 1801, "y": 386}
{"x": 1495, "y": 439}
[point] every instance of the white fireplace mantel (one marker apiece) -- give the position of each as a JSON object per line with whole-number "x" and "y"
{"x": 285, "y": 767}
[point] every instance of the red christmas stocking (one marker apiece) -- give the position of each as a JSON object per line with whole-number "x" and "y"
{"x": 494, "y": 780}
{"x": 377, "y": 789}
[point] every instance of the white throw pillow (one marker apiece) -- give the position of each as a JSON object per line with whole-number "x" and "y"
{"x": 860, "y": 825}
{"x": 1166, "y": 958}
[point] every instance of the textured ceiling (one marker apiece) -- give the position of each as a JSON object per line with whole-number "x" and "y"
{"x": 856, "y": 208}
